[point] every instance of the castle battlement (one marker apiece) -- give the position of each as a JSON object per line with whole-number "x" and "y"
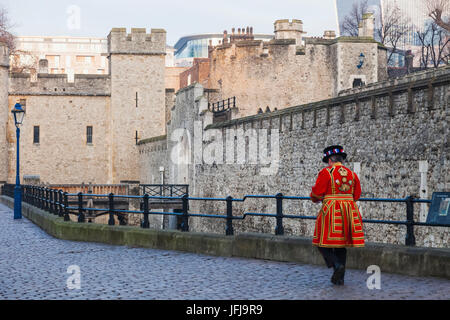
{"x": 137, "y": 42}
{"x": 58, "y": 85}
{"x": 4, "y": 55}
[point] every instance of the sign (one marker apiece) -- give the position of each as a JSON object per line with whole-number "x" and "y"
{"x": 440, "y": 208}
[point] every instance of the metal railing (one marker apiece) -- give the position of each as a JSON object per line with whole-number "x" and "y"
{"x": 221, "y": 106}
{"x": 169, "y": 190}
{"x": 57, "y": 202}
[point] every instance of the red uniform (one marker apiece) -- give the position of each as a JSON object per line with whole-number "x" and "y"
{"x": 339, "y": 223}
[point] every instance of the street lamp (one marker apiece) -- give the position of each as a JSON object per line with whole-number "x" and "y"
{"x": 362, "y": 58}
{"x": 18, "y": 113}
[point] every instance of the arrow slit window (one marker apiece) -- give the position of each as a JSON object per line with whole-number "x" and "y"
{"x": 89, "y": 132}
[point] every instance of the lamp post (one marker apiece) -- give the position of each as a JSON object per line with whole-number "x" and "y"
{"x": 362, "y": 58}
{"x": 18, "y": 113}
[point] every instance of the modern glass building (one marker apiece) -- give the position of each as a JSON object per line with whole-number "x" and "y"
{"x": 196, "y": 46}
{"x": 413, "y": 10}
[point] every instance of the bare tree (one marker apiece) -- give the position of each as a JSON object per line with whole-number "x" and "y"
{"x": 21, "y": 60}
{"x": 5, "y": 26}
{"x": 350, "y": 24}
{"x": 391, "y": 28}
{"x": 439, "y": 11}
{"x": 434, "y": 46}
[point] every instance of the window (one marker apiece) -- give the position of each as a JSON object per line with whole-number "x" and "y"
{"x": 357, "y": 82}
{"x": 36, "y": 134}
{"x": 89, "y": 135}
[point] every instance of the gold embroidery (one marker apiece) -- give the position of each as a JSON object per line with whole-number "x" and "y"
{"x": 343, "y": 172}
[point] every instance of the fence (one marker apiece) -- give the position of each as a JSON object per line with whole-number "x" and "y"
{"x": 57, "y": 202}
{"x": 222, "y": 106}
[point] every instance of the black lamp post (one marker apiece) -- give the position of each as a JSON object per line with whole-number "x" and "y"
{"x": 18, "y": 113}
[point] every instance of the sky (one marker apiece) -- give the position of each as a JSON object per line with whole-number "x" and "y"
{"x": 95, "y": 18}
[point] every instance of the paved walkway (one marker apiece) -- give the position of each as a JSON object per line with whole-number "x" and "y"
{"x": 33, "y": 265}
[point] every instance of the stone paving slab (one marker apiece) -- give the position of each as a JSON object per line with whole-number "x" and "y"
{"x": 33, "y": 265}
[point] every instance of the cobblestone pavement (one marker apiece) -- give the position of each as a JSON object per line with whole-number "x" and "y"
{"x": 33, "y": 265}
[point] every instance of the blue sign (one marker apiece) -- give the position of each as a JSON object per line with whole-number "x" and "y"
{"x": 440, "y": 208}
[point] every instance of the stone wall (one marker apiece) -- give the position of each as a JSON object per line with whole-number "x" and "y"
{"x": 386, "y": 128}
{"x": 280, "y": 73}
{"x": 4, "y": 70}
{"x": 137, "y": 64}
{"x": 58, "y": 85}
{"x": 63, "y": 155}
{"x": 126, "y": 105}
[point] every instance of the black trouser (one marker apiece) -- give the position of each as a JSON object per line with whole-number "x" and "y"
{"x": 333, "y": 256}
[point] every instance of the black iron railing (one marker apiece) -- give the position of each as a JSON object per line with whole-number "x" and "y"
{"x": 57, "y": 202}
{"x": 169, "y": 190}
{"x": 222, "y": 106}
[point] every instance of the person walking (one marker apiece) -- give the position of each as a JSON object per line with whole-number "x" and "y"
{"x": 339, "y": 224}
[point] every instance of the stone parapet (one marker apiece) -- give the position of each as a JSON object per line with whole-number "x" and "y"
{"x": 137, "y": 42}
{"x": 58, "y": 85}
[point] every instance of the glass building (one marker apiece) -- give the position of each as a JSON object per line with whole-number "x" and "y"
{"x": 196, "y": 46}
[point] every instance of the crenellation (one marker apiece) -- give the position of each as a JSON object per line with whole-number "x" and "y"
{"x": 137, "y": 42}
{"x": 58, "y": 84}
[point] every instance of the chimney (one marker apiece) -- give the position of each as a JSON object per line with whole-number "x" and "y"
{"x": 329, "y": 34}
{"x": 367, "y": 25}
{"x": 43, "y": 66}
{"x": 409, "y": 59}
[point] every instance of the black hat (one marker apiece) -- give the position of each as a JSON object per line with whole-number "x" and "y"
{"x": 333, "y": 150}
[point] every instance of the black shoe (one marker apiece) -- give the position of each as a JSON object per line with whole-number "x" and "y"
{"x": 338, "y": 275}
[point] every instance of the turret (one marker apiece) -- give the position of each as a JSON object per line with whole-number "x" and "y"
{"x": 285, "y": 29}
{"x": 137, "y": 70}
{"x": 367, "y": 25}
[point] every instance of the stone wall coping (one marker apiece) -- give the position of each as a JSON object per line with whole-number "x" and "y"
{"x": 152, "y": 139}
{"x": 381, "y": 89}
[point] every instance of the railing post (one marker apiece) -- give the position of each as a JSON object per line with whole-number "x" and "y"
{"x": 55, "y": 202}
{"x": 146, "y": 224}
{"x": 80, "y": 207}
{"x": 66, "y": 206}
{"x": 229, "y": 228}
{"x": 41, "y": 197}
{"x": 279, "y": 229}
{"x": 185, "y": 217}
{"x": 111, "y": 209}
{"x": 60, "y": 211}
{"x": 410, "y": 239}
{"x": 51, "y": 205}
{"x": 47, "y": 206}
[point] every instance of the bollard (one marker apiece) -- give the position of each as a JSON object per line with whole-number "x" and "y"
{"x": 111, "y": 209}
{"x": 146, "y": 223}
{"x": 185, "y": 216}
{"x": 229, "y": 227}
{"x": 80, "y": 207}
{"x": 279, "y": 229}
{"x": 410, "y": 239}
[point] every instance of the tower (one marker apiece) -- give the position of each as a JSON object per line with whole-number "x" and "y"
{"x": 285, "y": 29}
{"x": 4, "y": 110}
{"x": 137, "y": 70}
